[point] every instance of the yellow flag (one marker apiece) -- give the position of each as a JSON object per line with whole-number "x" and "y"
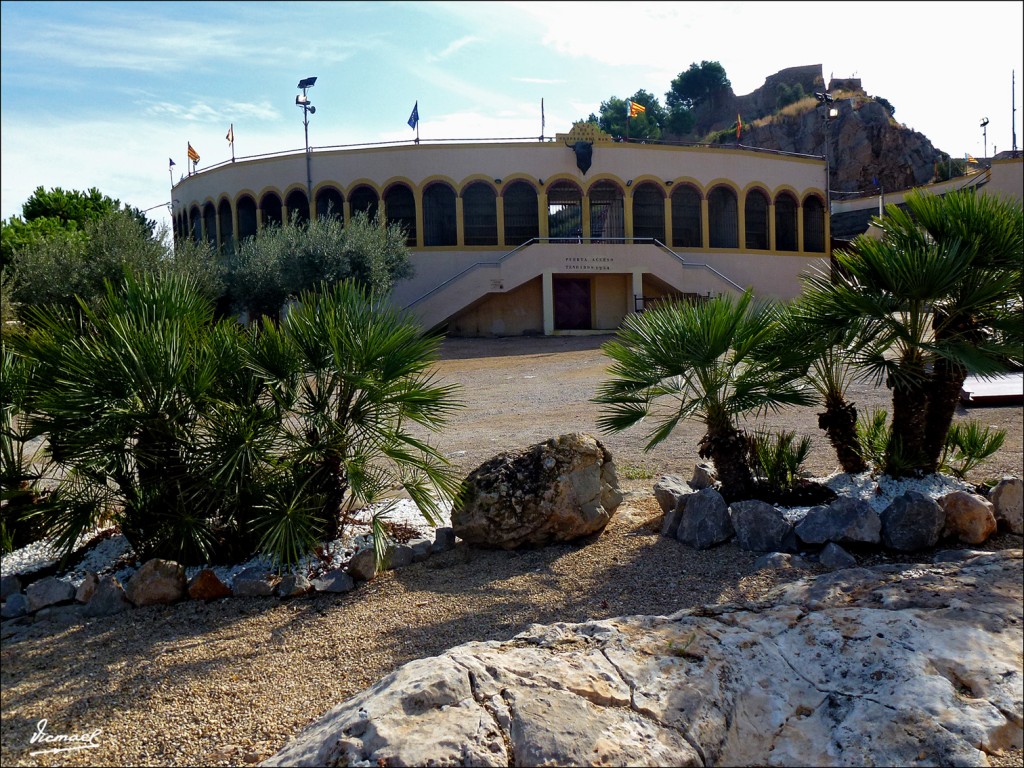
{"x": 636, "y": 109}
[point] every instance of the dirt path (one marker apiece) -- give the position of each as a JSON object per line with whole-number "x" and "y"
{"x": 519, "y": 391}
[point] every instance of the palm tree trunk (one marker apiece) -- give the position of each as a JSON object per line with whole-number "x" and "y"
{"x": 728, "y": 449}
{"x": 839, "y": 422}
{"x": 905, "y": 454}
{"x": 947, "y": 383}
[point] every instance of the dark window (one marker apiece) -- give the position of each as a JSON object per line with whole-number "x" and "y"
{"x": 210, "y": 224}
{"x": 400, "y": 209}
{"x": 755, "y": 215}
{"x": 521, "y": 221}
{"x": 298, "y": 207}
{"x": 246, "y": 217}
{"x": 271, "y": 207}
{"x": 363, "y": 200}
{"x": 440, "y": 226}
{"x": 723, "y": 218}
{"x": 227, "y": 230}
{"x": 195, "y": 221}
{"x": 607, "y": 219}
{"x": 814, "y": 225}
{"x": 649, "y": 212}
{"x": 686, "y": 218}
{"x": 480, "y": 214}
{"x": 565, "y": 211}
{"x": 785, "y": 223}
{"x": 329, "y": 202}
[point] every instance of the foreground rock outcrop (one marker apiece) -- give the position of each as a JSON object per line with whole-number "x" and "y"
{"x": 892, "y": 665}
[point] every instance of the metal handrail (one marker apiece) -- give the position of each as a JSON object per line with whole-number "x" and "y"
{"x": 589, "y": 240}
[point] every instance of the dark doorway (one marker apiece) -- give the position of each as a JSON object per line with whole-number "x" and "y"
{"x": 572, "y": 303}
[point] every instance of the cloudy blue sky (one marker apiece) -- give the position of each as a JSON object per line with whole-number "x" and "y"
{"x": 104, "y": 93}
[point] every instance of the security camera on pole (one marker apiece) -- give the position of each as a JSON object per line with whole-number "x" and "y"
{"x": 302, "y": 100}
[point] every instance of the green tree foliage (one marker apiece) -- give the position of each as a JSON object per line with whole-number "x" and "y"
{"x": 938, "y": 297}
{"x": 70, "y": 263}
{"x": 887, "y": 104}
{"x": 644, "y": 127}
{"x": 207, "y": 440}
{"x": 280, "y": 262}
{"x": 714, "y": 361}
{"x": 699, "y": 85}
{"x": 788, "y": 94}
{"x": 49, "y": 212}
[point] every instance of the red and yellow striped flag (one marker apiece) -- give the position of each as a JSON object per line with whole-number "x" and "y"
{"x": 192, "y": 154}
{"x": 636, "y": 109}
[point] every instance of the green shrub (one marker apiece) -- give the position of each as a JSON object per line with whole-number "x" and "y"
{"x": 968, "y": 444}
{"x": 776, "y": 458}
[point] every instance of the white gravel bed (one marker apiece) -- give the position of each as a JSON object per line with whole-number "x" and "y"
{"x": 102, "y": 558}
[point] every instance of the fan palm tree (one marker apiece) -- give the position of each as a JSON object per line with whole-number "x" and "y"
{"x": 714, "y": 361}
{"x": 122, "y": 389}
{"x": 353, "y": 375}
{"x": 930, "y": 305}
{"x": 831, "y": 368}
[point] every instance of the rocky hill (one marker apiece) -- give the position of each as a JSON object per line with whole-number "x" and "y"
{"x": 864, "y": 141}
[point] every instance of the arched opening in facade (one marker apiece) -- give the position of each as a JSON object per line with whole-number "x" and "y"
{"x": 364, "y": 200}
{"x": 400, "y": 209}
{"x": 565, "y": 211}
{"x": 298, "y": 207}
{"x": 195, "y": 221}
{"x": 271, "y": 207}
{"x": 480, "y": 214}
{"x": 520, "y": 214}
{"x": 687, "y": 231}
{"x": 440, "y": 226}
{"x": 755, "y": 215}
{"x": 785, "y": 223}
{"x": 607, "y": 212}
{"x": 246, "y": 217}
{"x": 227, "y": 229}
{"x": 723, "y": 218}
{"x": 210, "y": 225}
{"x": 649, "y": 212}
{"x": 814, "y": 224}
{"x": 330, "y": 204}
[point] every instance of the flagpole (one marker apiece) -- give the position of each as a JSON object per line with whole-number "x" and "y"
{"x": 417, "y": 129}
{"x": 232, "y": 142}
{"x": 542, "y": 119}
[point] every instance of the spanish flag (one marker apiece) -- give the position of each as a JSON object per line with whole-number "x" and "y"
{"x": 192, "y": 154}
{"x": 636, "y": 109}
{"x": 739, "y": 126}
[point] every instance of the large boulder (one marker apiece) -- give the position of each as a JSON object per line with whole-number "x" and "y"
{"x": 157, "y": 581}
{"x": 760, "y": 527}
{"x": 969, "y": 517}
{"x": 48, "y": 591}
{"x": 911, "y": 522}
{"x": 704, "y": 520}
{"x": 1008, "y": 499}
{"x": 845, "y": 520}
{"x": 891, "y": 665}
{"x": 555, "y": 491}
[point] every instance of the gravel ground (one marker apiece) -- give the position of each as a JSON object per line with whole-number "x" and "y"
{"x": 229, "y": 682}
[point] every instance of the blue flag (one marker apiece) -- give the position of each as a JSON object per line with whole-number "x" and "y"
{"x": 414, "y": 118}
{"x": 171, "y": 162}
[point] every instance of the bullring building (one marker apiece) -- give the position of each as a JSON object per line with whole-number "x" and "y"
{"x": 563, "y": 235}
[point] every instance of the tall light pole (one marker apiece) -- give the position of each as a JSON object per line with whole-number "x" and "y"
{"x": 302, "y": 100}
{"x": 984, "y": 134}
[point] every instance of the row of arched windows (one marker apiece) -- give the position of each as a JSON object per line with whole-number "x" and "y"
{"x": 682, "y": 217}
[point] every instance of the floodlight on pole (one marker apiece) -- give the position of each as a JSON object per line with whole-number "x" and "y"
{"x": 302, "y": 100}
{"x": 984, "y": 134}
